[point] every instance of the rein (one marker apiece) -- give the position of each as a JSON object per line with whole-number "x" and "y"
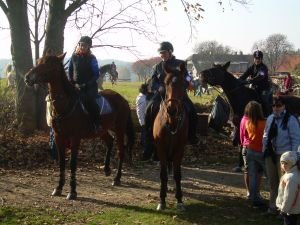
{"x": 67, "y": 113}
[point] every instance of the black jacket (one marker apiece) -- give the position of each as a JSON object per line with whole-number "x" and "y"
{"x": 258, "y": 76}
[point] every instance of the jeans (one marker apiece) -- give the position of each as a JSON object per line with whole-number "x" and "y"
{"x": 255, "y": 166}
{"x": 274, "y": 174}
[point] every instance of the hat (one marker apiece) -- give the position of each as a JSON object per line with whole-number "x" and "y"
{"x": 258, "y": 54}
{"x": 165, "y": 46}
{"x": 86, "y": 39}
{"x": 289, "y": 157}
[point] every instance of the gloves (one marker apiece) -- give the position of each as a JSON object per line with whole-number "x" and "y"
{"x": 80, "y": 86}
{"x": 245, "y": 82}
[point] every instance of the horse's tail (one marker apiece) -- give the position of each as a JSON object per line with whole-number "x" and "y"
{"x": 130, "y": 132}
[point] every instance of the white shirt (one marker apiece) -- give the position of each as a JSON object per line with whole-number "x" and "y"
{"x": 141, "y": 104}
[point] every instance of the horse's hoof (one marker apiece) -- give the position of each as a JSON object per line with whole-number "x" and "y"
{"x": 116, "y": 183}
{"x": 180, "y": 207}
{"x": 56, "y": 192}
{"x": 71, "y": 196}
{"x": 107, "y": 172}
{"x": 161, "y": 206}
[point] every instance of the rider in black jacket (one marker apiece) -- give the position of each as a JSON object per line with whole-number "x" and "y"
{"x": 157, "y": 87}
{"x": 259, "y": 79}
{"x": 83, "y": 73}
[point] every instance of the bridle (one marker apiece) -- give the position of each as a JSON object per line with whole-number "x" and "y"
{"x": 176, "y": 116}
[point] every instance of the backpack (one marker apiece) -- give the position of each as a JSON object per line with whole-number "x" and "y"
{"x": 219, "y": 114}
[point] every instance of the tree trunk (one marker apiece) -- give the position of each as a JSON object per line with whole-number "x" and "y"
{"x": 22, "y": 58}
{"x": 55, "y": 26}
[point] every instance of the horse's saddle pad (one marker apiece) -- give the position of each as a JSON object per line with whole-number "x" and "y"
{"x": 104, "y": 106}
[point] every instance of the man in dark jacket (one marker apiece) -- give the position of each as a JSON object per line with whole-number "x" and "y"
{"x": 158, "y": 88}
{"x": 83, "y": 73}
{"x": 259, "y": 79}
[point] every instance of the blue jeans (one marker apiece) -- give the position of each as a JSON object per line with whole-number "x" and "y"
{"x": 255, "y": 165}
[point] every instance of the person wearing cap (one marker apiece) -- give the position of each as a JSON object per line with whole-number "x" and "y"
{"x": 288, "y": 199}
{"x": 281, "y": 134}
{"x": 257, "y": 75}
{"x": 83, "y": 73}
{"x": 157, "y": 87}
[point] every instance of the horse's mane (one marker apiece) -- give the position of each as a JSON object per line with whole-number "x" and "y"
{"x": 68, "y": 87}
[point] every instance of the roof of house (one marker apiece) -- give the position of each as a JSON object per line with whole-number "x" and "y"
{"x": 196, "y": 59}
{"x": 288, "y": 63}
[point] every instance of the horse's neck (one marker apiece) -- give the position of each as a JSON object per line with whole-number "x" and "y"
{"x": 230, "y": 87}
{"x": 59, "y": 96}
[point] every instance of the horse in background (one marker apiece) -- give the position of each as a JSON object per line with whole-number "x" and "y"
{"x": 170, "y": 132}
{"x": 71, "y": 123}
{"x": 200, "y": 87}
{"x": 113, "y": 75}
{"x": 10, "y": 74}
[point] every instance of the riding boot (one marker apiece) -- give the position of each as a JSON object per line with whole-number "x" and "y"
{"x": 193, "y": 121}
{"x": 95, "y": 113}
{"x": 192, "y": 133}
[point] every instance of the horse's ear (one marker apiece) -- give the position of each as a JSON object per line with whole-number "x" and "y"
{"x": 62, "y": 56}
{"x": 182, "y": 66}
{"x": 48, "y": 52}
{"x": 226, "y": 65}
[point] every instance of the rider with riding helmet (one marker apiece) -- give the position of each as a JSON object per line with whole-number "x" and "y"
{"x": 157, "y": 87}
{"x": 83, "y": 73}
{"x": 259, "y": 79}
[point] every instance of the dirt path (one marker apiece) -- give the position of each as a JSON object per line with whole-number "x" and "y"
{"x": 140, "y": 186}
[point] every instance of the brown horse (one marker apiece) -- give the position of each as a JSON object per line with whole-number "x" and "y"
{"x": 170, "y": 132}
{"x": 71, "y": 123}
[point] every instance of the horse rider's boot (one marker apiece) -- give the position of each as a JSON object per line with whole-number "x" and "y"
{"x": 192, "y": 134}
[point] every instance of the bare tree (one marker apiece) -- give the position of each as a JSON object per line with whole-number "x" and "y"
{"x": 210, "y": 49}
{"x": 135, "y": 16}
{"x": 274, "y": 48}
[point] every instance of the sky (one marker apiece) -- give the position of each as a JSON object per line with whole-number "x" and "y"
{"x": 236, "y": 26}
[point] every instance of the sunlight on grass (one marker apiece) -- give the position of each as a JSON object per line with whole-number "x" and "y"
{"x": 213, "y": 211}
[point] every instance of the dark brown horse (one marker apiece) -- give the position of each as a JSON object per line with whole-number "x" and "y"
{"x": 238, "y": 95}
{"x": 113, "y": 74}
{"x": 170, "y": 132}
{"x": 71, "y": 123}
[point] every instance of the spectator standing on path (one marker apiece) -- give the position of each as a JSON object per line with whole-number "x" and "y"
{"x": 141, "y": 103}
{"x": 251, "y": 132}
{"x": 281, "y": 134}
{"x": 288, "y": 199}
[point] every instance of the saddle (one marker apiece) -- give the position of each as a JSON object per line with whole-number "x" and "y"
{"x": 103, "y": 105}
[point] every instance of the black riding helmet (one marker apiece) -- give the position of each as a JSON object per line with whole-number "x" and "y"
{"x": 165, "y": 46}
{"x": 258, "y": 54}
{"x": 86, "y": 39}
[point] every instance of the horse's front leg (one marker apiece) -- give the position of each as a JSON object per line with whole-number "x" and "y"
{"x": 120, "y": 143}
{"x": 108, "y": 139}
{"x": 73, "y": 165}
{"x": 177, "y": 178}
{"x": 163, "y": 184}
{"x": 60, "y": 144}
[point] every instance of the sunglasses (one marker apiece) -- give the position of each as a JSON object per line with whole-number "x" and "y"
{"x": 277, "y": 105}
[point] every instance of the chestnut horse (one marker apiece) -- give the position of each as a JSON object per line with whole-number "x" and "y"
{"x": 71, "y": 123}
{"x": 170, "y": 132}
